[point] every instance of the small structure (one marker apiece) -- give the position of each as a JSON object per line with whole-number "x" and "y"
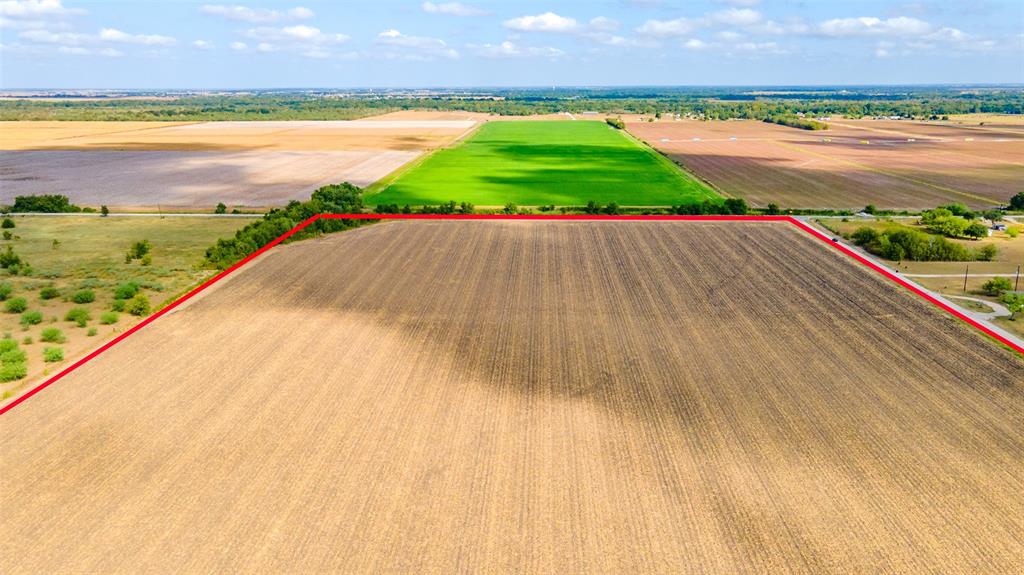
{"x": 999, "y": 227}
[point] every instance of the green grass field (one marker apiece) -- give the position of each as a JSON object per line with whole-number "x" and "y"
{"x": 532, "y": 163}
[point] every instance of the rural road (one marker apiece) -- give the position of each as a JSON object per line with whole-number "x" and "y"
{"x": 1005, "y": 275}
{"x": 1000, "y": 309}
{"x": 139, "y": 215}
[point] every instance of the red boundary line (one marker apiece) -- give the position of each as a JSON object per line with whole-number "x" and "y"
{"x": 803, "y": 226}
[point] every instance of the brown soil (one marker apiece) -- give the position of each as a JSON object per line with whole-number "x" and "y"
{"x": 530, "y": 397}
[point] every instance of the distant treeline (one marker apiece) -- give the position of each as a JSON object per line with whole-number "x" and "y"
{"x": 714, "y": 104}
{"x": 334, "y": 199}
{"x": 797, "y": 122}
{"x": 46, "y": 203}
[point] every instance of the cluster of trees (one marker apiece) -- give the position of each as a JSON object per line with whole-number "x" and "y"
{"x": 731, "y": 206}
{"x": 912, "y": 245}
{"x": 616, "y": 123}
{"x": 334, "y": 199}
{"x": 944, "y": 222}
{"x": 46, "y": 203}
{"x": 797, "y": 122}
{"x": 449, "y": 207}
{"x": 1017, "y": 202}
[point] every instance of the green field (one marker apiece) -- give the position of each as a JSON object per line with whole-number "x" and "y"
{"x": 533, "y": 163}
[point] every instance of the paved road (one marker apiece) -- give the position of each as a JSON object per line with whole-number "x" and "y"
{"x": 999, "y": 309}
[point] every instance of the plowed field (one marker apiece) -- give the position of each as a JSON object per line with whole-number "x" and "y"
{"x": 530, "y": 397}
{"x": 891, "y": 164}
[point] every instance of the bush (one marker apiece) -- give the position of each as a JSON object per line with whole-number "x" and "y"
{"x": 8, "y": 235}
{"x": 616, "y": 123}
{"x": 5, "y": 291}
{"x": 996, "y": 286}
{"x": 7, "y": 344}
{"x": 138, "y": 250}
{"x": 27, "y": 341}
{"x": 92, "y": 331}
{"x": 52, "y": 354}
{"x": 32, "y": 318}
{"x": 221, "y": 209}
{"x": 84, "y": 296}
{"x": 138, "y": 305}
{"x": 126, "y": 290}
{"x": 1017, "y": 202}
{"x": 49, "y": 292}
{"x": 104, "y": 211}
{"x": 109, "y": 317}
{"x": 9, "y": 259}
{"x": 79, "y": 315}
{"x": 7, "y": 224}
{"x": 52, "y": 335}
{"x": 16, "y": 305}
{"x": 13, "y": 356}
{"x": 117, "y": 305}
{"x": 13, "y": 371}
{"x": 51, "y": 204}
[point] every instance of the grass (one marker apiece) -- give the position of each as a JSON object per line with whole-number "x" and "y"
{"x": 87, "y": 266}
{"x": 536, "y": 163}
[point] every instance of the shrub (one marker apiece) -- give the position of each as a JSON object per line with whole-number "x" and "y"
{"x": 987, "y": 253}
{"x": 5, "y": 291}
{"x": 8, "y": 235}
{"x": 117, "y": 305}
{"x": 7, "y": 224}
{"x": 13, "y": 356}
{"x": 616, "y": 123}
{"x": 109, "y": 317}
{"x": 52, "y": 335}
{"x": 52, "y": 354}
{"x": 92, "y": 331}
{"x": 104, "y": 211}
{"x": 126, "y": 290}
{"x": 13, "y": 371}
{"x": 49, "y": 292}
{"x": 79, "y": 315}
{"x": 28, "y": 340}
{"x": 1012, "y": 232}
{"x": 138, "y": 305}
{"x": 221, "y": 209}
{"x": 16, "y": 305}
{"x": 32, "y": 318}
{"x": 139, "y": 249}
{"x": 84, "y": 296}
{"x": 147, "y": 260}
{"x": 9, "y": 259}
{"x": 50, "y": 204}
{"x": 996, "y": 286}
{"x": 7, "y": 344}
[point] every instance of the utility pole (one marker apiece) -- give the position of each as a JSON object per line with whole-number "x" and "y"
{"x": 966, "y": 269}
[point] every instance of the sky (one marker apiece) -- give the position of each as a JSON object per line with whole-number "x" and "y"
{"x": 407, "y": 43}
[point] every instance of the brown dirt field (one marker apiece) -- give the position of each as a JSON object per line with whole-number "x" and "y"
{"x": 530, "y": 397}
{"x": 857, "y": 162}
{"x": 404, "y": 135}
{"x": 189, "y": 180}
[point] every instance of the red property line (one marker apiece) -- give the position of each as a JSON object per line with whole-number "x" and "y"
{"x": 803, "y": 226}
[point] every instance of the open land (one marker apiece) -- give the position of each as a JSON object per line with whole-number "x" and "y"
{"x": 891, "y": 164}
{"x": 243, "y": 164}
{"x": 90, "y": 256}
{"x": 530, "y": 396}
{"x": 540, "y": 163}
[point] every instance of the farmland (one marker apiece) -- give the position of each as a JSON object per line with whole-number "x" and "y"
{"x": 891, "y": 164}
{"x": 143, "y": 165}
{"x": 530, "y": 396}
{"x": 71, "y": 254}
{"x": 541, "y": 163}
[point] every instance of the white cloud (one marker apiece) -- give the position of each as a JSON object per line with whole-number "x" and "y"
{"x": 80, "y": 51}
{"x": 546, "y": 22}
{"x": 453, "y": 9}
{"x": 298, "y": 34}
{"x": 695, "y": 44}
{"x": 746, "y": 3}
{"x": 202, "y": 44}
{"x": 61, "y": 38}
{"x": 265, "y": 47}
{"x": 509, "y": 49}
{"x": 871, "y": 26}
{"x": 115, "y": 35}
{"x": 665, "y": 28}
{"x": 603, "y": 24}
{"x": 735, "y": 17}
{"x": 35, "y": 8}
{"x": 255, "y": 15}
{"x": 415, "y": 47}
{"x": 729, "y": 35}
{"x": 239, "y": 46}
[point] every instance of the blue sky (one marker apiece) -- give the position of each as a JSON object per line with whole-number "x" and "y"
{"x": 408, "y": 43}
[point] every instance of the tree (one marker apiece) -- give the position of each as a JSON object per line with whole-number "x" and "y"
{"x": 1017, "y": 202}
{"x": 996, "y": 286}
{"x": 510, "y": 208}
{"x": 592, "y": 207}
{"x": 50, "y": 204}
{"x": 7, "y": 224}
{"x": 773, "y": 209}
{"x": 104, "y": 211}
{"x": 870, "y": 209}
{"x": 736, "y": 206}
{"x": 1015, "y": 303}
{"x": 138, "y": 305}
{"x": 976, "y": 231}
{"x": 221, "y": 209}
{"x": 612, "y": 209}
